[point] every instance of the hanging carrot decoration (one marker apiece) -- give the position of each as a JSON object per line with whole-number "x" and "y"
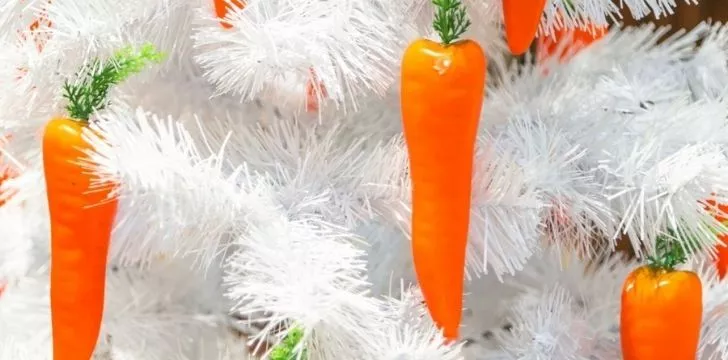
{"x": 566, "y": 42}
{"x": 81, "y": 219}
{"x": 720, "y": 211}
{"x": 662, "y": 308}
{"x": 315, "y": 91}
{"x": 222, "y": 7}
{"x": 442, "y": 91}
{"x": 521, "y": 19}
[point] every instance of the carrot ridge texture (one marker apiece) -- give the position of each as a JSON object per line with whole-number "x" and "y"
{"x": 81, "y": 225}
{"x": 661, "y": 315}
{"x": 442, "y": 92}
{"x": 521, "y": 19}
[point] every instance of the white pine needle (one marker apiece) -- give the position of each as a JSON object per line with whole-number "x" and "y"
{"x": 174, "y": 199}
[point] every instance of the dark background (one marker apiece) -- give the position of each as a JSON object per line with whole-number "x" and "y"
{"x": 687, "y": 16}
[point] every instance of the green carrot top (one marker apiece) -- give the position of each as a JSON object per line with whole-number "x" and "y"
{"x": 89, "y": 93}
{"x": 450, "y": 20}
{"x": 286, "y": 350}
{"x": 669, "y": 253}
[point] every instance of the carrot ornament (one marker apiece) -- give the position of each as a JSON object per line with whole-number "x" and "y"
{"x": 662, "y": 308}
{"x": 81, "y": 219}
{"x": 222, "y": 7}
{"x": 719, "y": 211}
{"x": 566, "y": 42}
{"x": 521, "y": 19}
{"x": 442, "y": 90}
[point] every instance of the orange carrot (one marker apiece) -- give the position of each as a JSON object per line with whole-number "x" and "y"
{"x": 442, "y": 92}
{"x": 314, "y": 90}
{"x": 521, "y": 20}
{"x": 223, "y": 6}
{"x": 81, "y": 219}
{"x": 661, "y": 310}
{"x": 721, "y": 260}
{"x": 567, "y": 42}
{"x": 81, "y": 224}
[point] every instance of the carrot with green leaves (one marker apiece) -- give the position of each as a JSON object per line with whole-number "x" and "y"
{"x": 81, "y": 218}
{"x": 442, "y": 90}
{"x": 662, "y": 308}
{"x": 521, "y": 20}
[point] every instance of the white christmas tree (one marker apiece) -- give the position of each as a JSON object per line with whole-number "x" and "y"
{"x": 246, "y": 218}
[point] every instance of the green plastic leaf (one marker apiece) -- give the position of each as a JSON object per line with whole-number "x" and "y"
{"x": 286, "y": 350}
{"x": 89, "y": 93}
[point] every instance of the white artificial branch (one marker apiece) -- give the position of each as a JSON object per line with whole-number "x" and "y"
{"x": 175, "y": 198}
{"x": 276, "y": 48}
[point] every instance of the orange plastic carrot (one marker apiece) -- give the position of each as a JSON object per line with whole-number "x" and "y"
{"x": 721, "y": 260}
{"x": 521, "y": 20}
{"x": 567, "y": 42}
{"x": 81, "y": 224}
{"x": 662, "y": 310}
{"x": 442, "y": 90}
{"x": 81, "y": 219}
{"x": 314, "y": 90}
{"x": 223, "y": 6}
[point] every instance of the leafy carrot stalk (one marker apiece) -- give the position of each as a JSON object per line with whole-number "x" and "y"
{"x": 81, "y": 219}
{"x": 288, "y": 349}
{"x": 222, "y": 7}
{"x": 442, "y": 92}
{"x": 521, "y": 19}
{"x": 662, "y": 308}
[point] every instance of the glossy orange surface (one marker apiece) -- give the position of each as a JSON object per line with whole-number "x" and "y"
{"x": 661, "y": 315}
{"x": 521, "y": 19}
{"x": 81, "y": 222}
{"x": 442, "y": 92}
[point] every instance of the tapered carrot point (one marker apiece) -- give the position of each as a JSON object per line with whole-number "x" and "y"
{"x": 442, "y": 92}
{"x": 81, "y": 224}
{"x": 521, "y": 19}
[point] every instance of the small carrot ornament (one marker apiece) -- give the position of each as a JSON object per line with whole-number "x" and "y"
{"x": 566, "y": 42}
{"x": 81, "y": 219}
{"x": 442, "y": 91}
{"x": 662, "y": 308}
{"x": 719, "y": 211}
{"x": 521, "y": 19}
{"x": 222, "y": 7}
